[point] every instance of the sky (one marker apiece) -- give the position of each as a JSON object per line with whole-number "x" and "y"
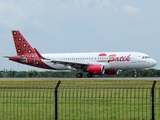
{"x": 59, "y": 26}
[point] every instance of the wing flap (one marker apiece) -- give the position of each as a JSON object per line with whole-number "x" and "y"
{"x": 75, "y": 64}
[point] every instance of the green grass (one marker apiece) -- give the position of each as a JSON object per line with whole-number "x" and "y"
{"x": 78, "y": 100}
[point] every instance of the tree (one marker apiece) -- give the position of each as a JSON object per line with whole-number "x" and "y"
{"x": 22, "y": 74}
{"x": 1, "y": 74}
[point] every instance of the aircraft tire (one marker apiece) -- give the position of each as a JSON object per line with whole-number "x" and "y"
{"x": 135, "y": 76}
{"x": 89, "y": 75}
{"x": 79, "y": 75}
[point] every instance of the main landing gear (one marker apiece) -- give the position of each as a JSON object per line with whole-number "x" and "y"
{"x": 89, "y": 75}
{"x": 80, "y": 75}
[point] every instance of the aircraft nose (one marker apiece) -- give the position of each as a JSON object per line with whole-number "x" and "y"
{"x": 154, "y": 62}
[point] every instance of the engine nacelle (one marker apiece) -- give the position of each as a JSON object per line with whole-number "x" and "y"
{"x": 96, "y": 69}
{"x": 111, "y": 72}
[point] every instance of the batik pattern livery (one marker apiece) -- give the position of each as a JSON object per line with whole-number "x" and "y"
{"x": 26, "y": 54}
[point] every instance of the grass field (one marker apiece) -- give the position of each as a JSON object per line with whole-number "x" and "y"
{"x": 78, "y": 100}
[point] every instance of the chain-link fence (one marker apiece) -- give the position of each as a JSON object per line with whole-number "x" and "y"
{"x": 80, "y": 103}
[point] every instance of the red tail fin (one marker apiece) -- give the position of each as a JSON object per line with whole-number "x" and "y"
{"x": 21, "y": 44}
{"x": 26, "y": 54}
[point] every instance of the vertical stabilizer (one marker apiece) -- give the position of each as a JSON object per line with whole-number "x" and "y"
{"x": 21, "y": 44}
{"x": 26, "y": 54}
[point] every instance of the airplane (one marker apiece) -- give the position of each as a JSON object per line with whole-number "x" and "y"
{"x": 95, "y": 63}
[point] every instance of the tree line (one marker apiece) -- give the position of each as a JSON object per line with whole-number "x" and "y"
{"x": 34, "y": 73}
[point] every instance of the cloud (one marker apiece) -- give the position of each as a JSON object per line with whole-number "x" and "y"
{"x": 83, "y": 4}
{"x": 4, "y": 6}
{"x": 77, "y": 22}
{"x": 130, "y": 9}
{"x": 10, "y": 14}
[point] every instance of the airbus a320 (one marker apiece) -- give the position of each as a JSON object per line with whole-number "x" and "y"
{"x": 93, "y": 63}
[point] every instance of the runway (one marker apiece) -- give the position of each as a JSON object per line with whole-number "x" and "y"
{"x": 107, "y": 78}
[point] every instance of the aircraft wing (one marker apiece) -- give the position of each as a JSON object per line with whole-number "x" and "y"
{"x": 74, "y": 64}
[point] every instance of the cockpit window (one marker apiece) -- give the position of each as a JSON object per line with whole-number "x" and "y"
{"x": 145, "y": 57}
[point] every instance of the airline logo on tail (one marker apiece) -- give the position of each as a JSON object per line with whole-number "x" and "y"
{"x": 21, "y": 44}
{"x": 26, "y": 54}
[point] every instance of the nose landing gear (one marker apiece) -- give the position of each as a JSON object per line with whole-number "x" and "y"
{"x": 135, "y": 73}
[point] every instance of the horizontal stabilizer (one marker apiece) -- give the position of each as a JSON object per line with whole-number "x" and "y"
{"x": 7, "y": 56}
{"x": 15, "y": 57}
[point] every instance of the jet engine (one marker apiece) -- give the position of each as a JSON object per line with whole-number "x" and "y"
{"x": 96, "y": 69}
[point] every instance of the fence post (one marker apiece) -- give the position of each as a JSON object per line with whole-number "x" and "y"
{"x": 152, "y": 92}
{"x": 56, "y": 100}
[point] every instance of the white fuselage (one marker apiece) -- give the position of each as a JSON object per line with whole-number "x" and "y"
{"x": 111, "y": 60}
